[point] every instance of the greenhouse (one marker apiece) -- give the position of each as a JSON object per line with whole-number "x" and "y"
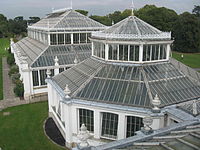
{"x": 129, "y": 78}
{"x": 57, "y": 42}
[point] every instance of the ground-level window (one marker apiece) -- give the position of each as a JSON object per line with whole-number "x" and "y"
{"x": 35, "y": 77}
{"x": 133, "y": 124}
{"x": 109, "y": 125}
{"x": 86, "y": 117}
{"x": 43, "y": 76}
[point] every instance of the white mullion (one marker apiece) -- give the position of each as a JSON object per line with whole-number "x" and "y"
{"x": 150, "y": 53}
{"x": 129, "y": 52}
{"x": 117, "y": 52}
{"x": 39, "y": 77}
{"x": 159, "y": 53}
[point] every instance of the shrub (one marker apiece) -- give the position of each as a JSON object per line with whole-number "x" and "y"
{"x": 19, "y": 88}
{"x": 10, "y": 59}
{"x": 9, "y": 50}
{"x": 15, "y": 77}
{"x": 13, "y": 70}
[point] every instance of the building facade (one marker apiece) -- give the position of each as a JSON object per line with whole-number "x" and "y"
{"x": 130, "y": 76}
{"x": 56, "y": 42}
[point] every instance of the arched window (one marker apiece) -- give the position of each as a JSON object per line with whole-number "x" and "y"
{"x": 86, "y": 117}
{"x": 109, "y": 125}
{"x": 133, "y": 124}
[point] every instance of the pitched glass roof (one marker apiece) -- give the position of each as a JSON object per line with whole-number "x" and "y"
{"x": 28, "y": 49}
{"x": 68, "y": 19}
{"x": 66, "y": 55}
{"x": 94, "y": 80}
{"x": 184, "y": 139}
{"x": 132, "y": 28}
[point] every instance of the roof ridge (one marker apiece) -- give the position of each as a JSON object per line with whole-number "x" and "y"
{"x": 148, "y": 25}
{"x": 64, "y": 15}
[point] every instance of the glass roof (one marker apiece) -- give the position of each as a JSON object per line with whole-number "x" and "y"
{"x": 132, "y": 28}
{"x": 184, "y": 139}
{"x": 29, "y": 49}
{"x": 68, "y": 19}
{"x": 66, "y": 55}
{"x": 94, "y": 80}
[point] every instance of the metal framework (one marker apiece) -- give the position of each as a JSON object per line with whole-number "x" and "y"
{"x": 127, "y": 85}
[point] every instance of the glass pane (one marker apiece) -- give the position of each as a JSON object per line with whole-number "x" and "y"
{"x": 82, "y": 37}
{"x": 109, "y": 125}
{"x": 67, "y": 38}
{"x": 35, "y": 78}
{"x": 43, "y": 76}
{"x": 86, "y": 117}
{"x": 53, "y": 39}
{"x": 76, "y": 38}
{"x": 133, "y": 124}
{"x": 60, "y": 38}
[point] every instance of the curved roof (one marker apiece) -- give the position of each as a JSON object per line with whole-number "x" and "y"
{"x": 132, "y": 28}
{"x": 104, "y": 82}
{"x": 68, "y": 20}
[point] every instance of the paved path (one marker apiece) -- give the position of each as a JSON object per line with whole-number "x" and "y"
{"x": 197, "y": 69}
{"x": 8, "y": 86}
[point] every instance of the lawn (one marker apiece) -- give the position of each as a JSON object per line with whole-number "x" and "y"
{"x": 23, "y": 128}
{"x": 4, "y": 43}
{"x": 192, "y": 60}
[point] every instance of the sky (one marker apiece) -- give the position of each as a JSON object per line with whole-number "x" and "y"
{"x": 27, "y": 8}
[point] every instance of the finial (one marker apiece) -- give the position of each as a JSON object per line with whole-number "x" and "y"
{"x": 83, "y": 136}
{"x": 132, "y": 8}
{"x": 75, "y": 61}
{"x": 67, "y": 91}
{"x": 56, "y": 61}
{"x": 113, "y": 22}
{"x": 48, "y": 73}
{"x": 194, "y": 107}
{"x": 147, "y": 121}
{"x": 156, "y": 103}
{"x": 71, "y": 5}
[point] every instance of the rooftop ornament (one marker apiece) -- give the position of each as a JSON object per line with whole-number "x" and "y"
{"x": 56, "y": 61}
{"x": 48, "y": 73}
{"x": 75, "y": 61}
{"x": 156, "y": 103}
{"x": 67, "y": 91}
{"x": 83, "y": 136}
{"x": 194, "y": 108}
{"x": 147, "y": 121}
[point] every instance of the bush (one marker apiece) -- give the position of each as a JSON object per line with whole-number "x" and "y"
{"x": 15, "y": 77}
{"x": 19, "y": 88}
{"x": 9, "y": 50}
{"x": 13, "y": 70}
{"x": 10, "y": 59}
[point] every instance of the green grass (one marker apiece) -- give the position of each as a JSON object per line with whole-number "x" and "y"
{"x": 4, "y": 43}
{"x": 189, "y": 59}
{"x": 23, "y": 128}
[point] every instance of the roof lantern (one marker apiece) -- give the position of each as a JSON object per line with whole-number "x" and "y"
{"x": 131, "y": 40}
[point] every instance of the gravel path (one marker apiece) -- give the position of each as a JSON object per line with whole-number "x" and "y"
{"x": 8, "y": 86}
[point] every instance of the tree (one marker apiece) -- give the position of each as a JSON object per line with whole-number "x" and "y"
{"x": 33, "y": 20}
{"x": 161, "y": 18}
{"x": 83, "y": 12}
{"x": 187, "y": 33}
{"x": 196, "y": 11}
{"x": 102, "y": 19}
{"x": 3, "y": 26}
